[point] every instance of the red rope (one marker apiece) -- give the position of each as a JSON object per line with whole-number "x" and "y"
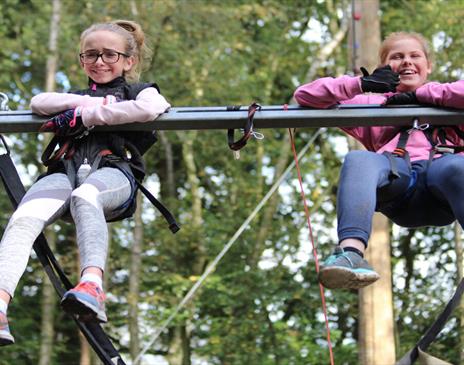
{"x": 311, "y": 237}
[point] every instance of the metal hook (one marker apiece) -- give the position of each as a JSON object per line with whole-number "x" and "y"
{"x": 417, "y": 126}
{"x": 4, "y": 102}
{"x": 257, "y": 135}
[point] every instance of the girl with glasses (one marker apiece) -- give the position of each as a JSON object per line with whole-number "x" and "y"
{"x": 91, "y": 175}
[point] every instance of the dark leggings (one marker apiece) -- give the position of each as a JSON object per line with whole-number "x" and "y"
{"x": 435, "y": 199}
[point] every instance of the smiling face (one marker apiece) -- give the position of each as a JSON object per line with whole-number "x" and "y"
{"x": 98, "y": 42}
{"x": 407, "y": 57}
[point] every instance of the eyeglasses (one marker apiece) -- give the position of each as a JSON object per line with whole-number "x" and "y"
{"x": 106, "y": 56}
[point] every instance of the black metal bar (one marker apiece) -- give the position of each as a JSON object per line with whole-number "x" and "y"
{"x": 273, "y": 116}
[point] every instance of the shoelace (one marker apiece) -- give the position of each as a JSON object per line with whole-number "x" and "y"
{"x": 345, "y": 256}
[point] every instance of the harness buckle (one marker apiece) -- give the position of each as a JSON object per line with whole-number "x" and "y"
{"x": 444, "y": 149}
{"x": 398, "y": 151}
{"x": 418, "y": 127}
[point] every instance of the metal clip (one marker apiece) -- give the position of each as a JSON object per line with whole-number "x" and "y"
{"x": 257, "y": 135}
{"x": 85, "y": 133}
{"x": 4, "y": 102}
{"x": 418, "y": 127}
{"x": 444, "y": 149}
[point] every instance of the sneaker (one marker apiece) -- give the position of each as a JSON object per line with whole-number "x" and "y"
{"x": 5, "y": 335}
{"x": 87, "y": 301}
{"x": 346, "y": 269}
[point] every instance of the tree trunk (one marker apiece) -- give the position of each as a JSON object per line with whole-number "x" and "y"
{"x": 85, "y": 358}
{"x": 47, "y": 330}
{"x": 135, "y": 261}
{"x": 169, "y": 156}
{"x": 459, "y": 264}
{"x": 179, "y": 345}
{"x": 376, "y": 329}
{"x": 376, "y": 325}
{"x": 270, "y": 208}
{"x": 134, "y": 279}
{"x": 52, "y": 58}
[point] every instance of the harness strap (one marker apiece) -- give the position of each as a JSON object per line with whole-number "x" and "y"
{"x": 50, "y": 156}
{"x": 436, "y": 137}
{"x": 400, "y": 151}
{"x": 93, "y": 332}
{"x": 435, "y": 328}
{"x": 173, "y": 225}
{"x": 247, "y": 131}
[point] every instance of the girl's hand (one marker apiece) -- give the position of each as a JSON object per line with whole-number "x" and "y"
{"x": 67, "y": 123}
{"x": 402, "y": 99}
{"x": 382, "y": 80}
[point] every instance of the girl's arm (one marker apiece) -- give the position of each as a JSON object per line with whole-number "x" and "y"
{"x": 326, "y": 92}
{"x": 448, "y": 94}
{"x": 148, "y": 105}
{"x": 54, "y": 103}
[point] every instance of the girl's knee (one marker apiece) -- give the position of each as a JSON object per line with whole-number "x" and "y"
{"x": 454, "y": 169}
{"x": 356, "y": 158}
{"x": 451, "y": 173}
{"x": 86, "y": 194}
{"x": 360, "y": 162}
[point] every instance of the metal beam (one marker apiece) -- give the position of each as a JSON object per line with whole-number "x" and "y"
{"x": 274, "y": 116}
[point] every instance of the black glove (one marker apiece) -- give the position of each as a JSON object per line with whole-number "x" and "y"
{"x": 382, "y": 80}
{"x": 402, "y": 99}
{"x": 67, "y": 123}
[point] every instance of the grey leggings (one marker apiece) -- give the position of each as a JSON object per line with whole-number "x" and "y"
{"x": 97, "y": 197}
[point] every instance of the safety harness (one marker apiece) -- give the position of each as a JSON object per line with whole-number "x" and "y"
{"x": 121, "y": 150}
{"x": 437, "y": 137}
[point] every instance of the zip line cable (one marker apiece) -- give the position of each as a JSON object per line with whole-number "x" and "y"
{"x": 226, "y": 248}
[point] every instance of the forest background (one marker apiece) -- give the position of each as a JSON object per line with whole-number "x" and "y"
{"x": 261, "y": 305}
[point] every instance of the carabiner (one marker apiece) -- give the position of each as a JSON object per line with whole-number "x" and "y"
{"x": 4, "y": 102}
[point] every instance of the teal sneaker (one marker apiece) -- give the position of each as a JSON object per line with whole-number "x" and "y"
{"x": 5, "y": 335}
{"x": 346, "y": 269}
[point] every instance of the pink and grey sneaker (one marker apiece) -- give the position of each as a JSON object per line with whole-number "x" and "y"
{"x": 87, "y": 301}
{"x": 5, "y": 335}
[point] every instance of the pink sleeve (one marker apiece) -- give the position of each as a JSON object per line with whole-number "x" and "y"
{"x": 148, "y": 105}
{"x": 53, "y": 103}
{"x": 448, "y": 94}
{"x": 326, "y": 92}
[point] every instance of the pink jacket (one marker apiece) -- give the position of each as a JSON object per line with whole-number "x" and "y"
{"x": 326, "y": 92}
{"x": 148, "y": 105}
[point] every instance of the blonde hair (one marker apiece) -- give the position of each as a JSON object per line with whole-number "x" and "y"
{"x": 393, "y": 37}
{"x": 135, "y": 43}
